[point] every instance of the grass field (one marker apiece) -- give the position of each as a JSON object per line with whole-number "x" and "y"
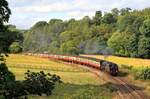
{"x": 135, "y": 62}
{"x": 78, "y": 83}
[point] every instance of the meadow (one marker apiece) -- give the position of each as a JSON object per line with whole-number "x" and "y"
{"x": 135, "y": 62}
{"x": 77, "y": 83}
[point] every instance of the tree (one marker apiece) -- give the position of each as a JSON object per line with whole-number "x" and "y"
{"x": 69, "y": 47}
{"x": 67, "y": 35}
{"x": 37, "y": 39}
{"x": 40, "y": 83}
{"x": 4, "y": 17}
{"x": 4, "y": 12}
{"x": 125, "y": 23}
{"x": 144, "y": 47}
{"x": 5, "y": 74}
{"x": 40, "y": 24}
{"x": 54, "y": 47}
{"x": 15, "y": 47}
{"x": 145, "y": 28}
{"x": 125, "y": 11}
{"x": 144, "y": 42}
{"x": 97, "y": 18}
{"x": 138, "y": 22}
{"x": 109, "y": 18}
{"x": 123, "y": 43}
{"x": 115, "y": 11}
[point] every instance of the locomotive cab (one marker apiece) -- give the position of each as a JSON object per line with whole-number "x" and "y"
{"x": 109, "y": 67}
{"x": 113, "y": 69}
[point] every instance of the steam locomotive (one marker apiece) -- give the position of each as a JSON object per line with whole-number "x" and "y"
{"x": 110, "y": 67}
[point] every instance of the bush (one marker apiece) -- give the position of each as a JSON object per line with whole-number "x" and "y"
{"x": 143, "y": 74}
{"x": 15, "y": 47}
{"x": 34, "y": 84}
{"x": 40, "y": 83}
{"x": 14, "y": 90}
{"x": 5, "y": 74}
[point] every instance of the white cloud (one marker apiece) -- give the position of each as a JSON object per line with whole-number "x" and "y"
{"x": 36, "y": 10}
{"x": 80, "y": 14}
{"x": 55, "y": 7}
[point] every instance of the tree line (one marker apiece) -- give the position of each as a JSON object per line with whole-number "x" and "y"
{"x": 124, "y": 32}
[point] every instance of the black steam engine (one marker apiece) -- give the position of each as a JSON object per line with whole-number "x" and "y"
{"x": 110, "y": 67}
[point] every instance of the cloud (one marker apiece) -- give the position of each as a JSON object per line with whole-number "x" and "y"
{"x": 55, "y": 7}
{"x": 24, "y": 12}
{"x": 80, "y": 14}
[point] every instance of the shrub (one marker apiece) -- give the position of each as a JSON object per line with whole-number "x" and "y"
{"x": 35, "y": 83}
{"x": 143, "y": 74}
{"x": 40, "y": 83}
{"x": 15, "y": 47}
{"x": 5, "y": 74}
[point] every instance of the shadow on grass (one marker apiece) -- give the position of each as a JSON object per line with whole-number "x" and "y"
{"x": 122, "y": 73}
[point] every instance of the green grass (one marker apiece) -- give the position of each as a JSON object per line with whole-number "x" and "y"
{"x": 78, "y": 83}
{"x": 73, "y": 91}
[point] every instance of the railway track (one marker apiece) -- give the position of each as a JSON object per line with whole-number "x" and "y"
{"x": 125, "y": 90}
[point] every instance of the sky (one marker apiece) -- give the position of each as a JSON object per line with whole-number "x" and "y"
{"x": 26, "y": 13}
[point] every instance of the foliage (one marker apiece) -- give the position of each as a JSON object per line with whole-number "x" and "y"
{"x": 123, "y": 31}
{"x": 5, "y": 74}
{"x": 40, "y": 83}
{"x": 4, "y": 12}
{"x": 97, "y": 18}
{"x": 145, "y": 28}
{"x": 14, "y": 90}
{"x": 125, "y": 11}
{"x": 143, "y": 74}
{"x": 34, "y": 84}
{"x": 144, "y": 47}
{"x": 123, "y": 43}
{"x": 69, "y": 48}
{"x": 15, "y": 47}
{"x": 109, "y": 18}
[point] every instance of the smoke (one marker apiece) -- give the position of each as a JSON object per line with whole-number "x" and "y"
{"x": 106, "y": 52}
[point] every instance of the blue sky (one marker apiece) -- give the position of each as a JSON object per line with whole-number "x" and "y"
{"x": 25, "y": 13}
